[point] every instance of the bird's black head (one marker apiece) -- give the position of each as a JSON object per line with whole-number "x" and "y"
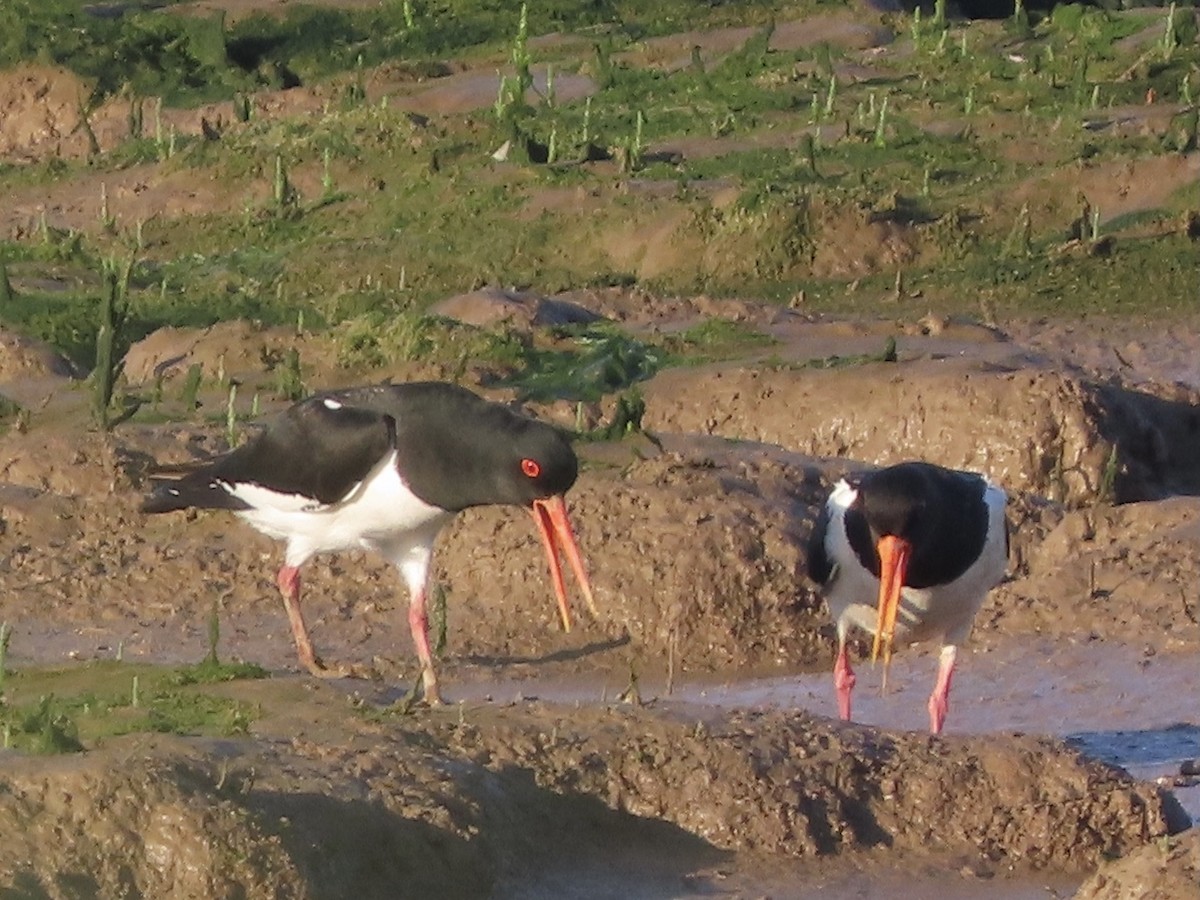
{"x": 898, "y": 502}
{"x": 536, "y": 462}
{"x": 458, "y": 450}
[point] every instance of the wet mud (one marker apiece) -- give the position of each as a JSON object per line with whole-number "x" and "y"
{"x": 564, "y": 766}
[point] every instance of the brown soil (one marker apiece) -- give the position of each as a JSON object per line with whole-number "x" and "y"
{"x": 323, "y": 803}
{"x": 1167, "y": 869}
{"x": 694, "y": 540}
{"x": 694, "y": 545}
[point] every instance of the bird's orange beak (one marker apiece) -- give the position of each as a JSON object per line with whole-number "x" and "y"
{"x": 894, "y": 554}
{"x": 555, "y": 529}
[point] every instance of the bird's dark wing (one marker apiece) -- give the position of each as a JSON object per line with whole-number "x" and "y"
{"x": 960, "y": 533}
{"x": 819, "y": 565}
{"x": 320, "y": 448}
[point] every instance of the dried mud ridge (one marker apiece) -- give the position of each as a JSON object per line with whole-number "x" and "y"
{"x": 474, "y": 801}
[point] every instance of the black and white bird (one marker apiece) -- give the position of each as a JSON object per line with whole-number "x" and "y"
{"x": 909, "y": 552}
{"x": 384, "y": 468}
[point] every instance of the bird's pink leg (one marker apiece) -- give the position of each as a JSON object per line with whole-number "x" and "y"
{"x": 418, "y": 624}
{"x": 843, "y": 680}
{"x": 939, "y": 700}
{"x": 289, "y": 586}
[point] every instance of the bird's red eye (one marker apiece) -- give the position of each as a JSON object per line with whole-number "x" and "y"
{"x": 531, "y": 468}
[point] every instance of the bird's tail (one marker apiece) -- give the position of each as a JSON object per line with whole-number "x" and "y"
{"x": 199, "y": 490}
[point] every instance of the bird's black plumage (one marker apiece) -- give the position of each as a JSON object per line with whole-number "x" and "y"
{"x": 310, "y": 450}
{"x": 941, "y": 512}
{"x": 384, "y": 469}
{"x": 820, "y": 566}
{"x": 454, "y": 448}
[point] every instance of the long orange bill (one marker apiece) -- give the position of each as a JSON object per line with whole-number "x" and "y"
{"x": 894, "y": 553}
{"x": 555, "y": 529}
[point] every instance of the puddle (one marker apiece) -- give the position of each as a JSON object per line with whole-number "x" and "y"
{"x": 868, "y": 877}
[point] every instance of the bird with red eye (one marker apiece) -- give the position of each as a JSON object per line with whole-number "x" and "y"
{"x": 385, "y": 468}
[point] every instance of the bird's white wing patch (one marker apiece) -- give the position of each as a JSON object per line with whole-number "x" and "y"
{"x": 330, "y": 403}
{"x": 843, "y": 495}
{"x": 262, "y": 498}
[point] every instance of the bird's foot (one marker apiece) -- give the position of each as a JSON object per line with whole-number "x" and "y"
{"x": 938, "y": 707}
{"x": 843, "y": 680}
{"x": 939, "y": 700}
{"x": 420, "y": 694}
{"x": 321, "y": 669}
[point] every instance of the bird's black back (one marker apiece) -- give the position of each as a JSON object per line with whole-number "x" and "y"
{"x": 941, "y": 511}
{"x": 455, "y": 450}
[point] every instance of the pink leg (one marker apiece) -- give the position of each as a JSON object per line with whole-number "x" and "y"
{"x": 418, "y": 624}
{"x": 939, "y": 700}
{"x": 843, "y": 680}
{"x": 289, "y": 586}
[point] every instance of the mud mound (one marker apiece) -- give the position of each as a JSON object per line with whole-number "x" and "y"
{"x": 233, "y": 347}
{"x": 80, "y": 826}
{"x": 39, "y": 112}
{"x": 801, "y": 785}
{"x": 23, "y": 358}
{"x": 328, "y": 803}
{"x": 1127, "y": 573}
{"x": 687, "y": 556}
{"x": 76, "y": 465}
{"x": 1168, "y": 869}
{"x": 491, "y": 306}
{"x": 1032, "y": 430}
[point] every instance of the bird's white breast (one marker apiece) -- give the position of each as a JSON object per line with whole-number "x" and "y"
{"x": 378, "y": 512}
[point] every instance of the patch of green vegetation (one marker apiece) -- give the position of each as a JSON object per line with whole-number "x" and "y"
{"x": 65, "y": 710}
{"x": 1127, "y": 276}
{"x": 42, "y": 728}
{"x": 924, "y": 148}
{"x": 626, "y": 419}
{"x": 10, "y": 412}
{"x": 211, "y": 671}
{"x": 887, "y": 355}
{"x": 67, "y": 321}
{"x": 193, "y": 291}
{"x": 382, "y": 337}
{"x": 143, "y": 52}
{"x": 597, "y": 361}
{"x": 715, "y": 339}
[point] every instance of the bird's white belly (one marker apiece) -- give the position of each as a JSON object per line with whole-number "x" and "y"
{"x": 378, "y": 512}
{"x": 924, "y": 613}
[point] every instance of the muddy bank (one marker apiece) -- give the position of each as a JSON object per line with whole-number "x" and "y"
{"x": 1167, "y": 869}
{"x": 695, "y": 544}
{"x": 326, "y": 801}
{"x": 1045, "y": 432}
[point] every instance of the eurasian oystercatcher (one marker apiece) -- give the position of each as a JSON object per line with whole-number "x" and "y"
{"x": 929, "y": 542}
{"x": 384, "y": 468}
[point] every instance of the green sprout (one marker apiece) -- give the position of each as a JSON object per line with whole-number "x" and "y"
{"x": 881, "y": 124}
{"x": 113, "y": 313}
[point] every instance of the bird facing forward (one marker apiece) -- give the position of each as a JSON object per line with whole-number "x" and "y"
{"x": 385, "y": 468}
{"x": 928, "y": 543}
